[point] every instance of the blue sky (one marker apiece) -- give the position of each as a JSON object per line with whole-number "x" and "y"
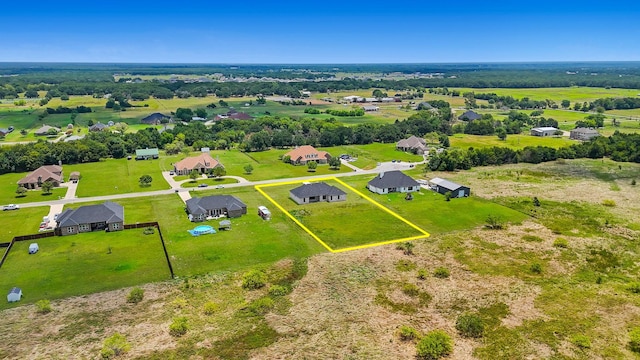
{"x": 319, "y": 31}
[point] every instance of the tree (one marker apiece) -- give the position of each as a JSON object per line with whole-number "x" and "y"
{"x": 434, "y": 345}
{"x": 193, "y": 175}
{"x": 115, "y": 345}
{"x": 286, "y": 159}
{"x": 501, "y": 133}
{"x": 335, "y": 163}
{"x": 184, "y": 114}
{"x": 565, "y": 104}
{"x": 200, "y": 112}
{"x": 46, "y": 187}
{"x": 145, "y": 180}
{"x": 31, "y": 94}
{"x": 312, "y": 165}
{"x": 21, "y": 192}
{"x": 219, "y": 171}
{"x": 248, "y": 169}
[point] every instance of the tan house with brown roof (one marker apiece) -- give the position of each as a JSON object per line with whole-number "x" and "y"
{"x": 302, "y": 154}
{"x": 202, "y": 163}
{"x": 34, "y": 180}
{"x": 414, "y": 144}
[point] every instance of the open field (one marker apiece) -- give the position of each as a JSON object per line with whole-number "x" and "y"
{"x": 332, "y": 222}
{"x": 370, "y": 154}
{"x": 20, "y": 222}
{"x": 9, "y": 185}
{"x": 83, "y": 264}
{"x": 519, "y": 141}
{"x": 573, "y": 94}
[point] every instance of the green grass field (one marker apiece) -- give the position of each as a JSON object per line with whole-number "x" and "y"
{"x": 334, "y": 223}
{"x": 82, "y": 264}
{"x": 20, "y": 222}
{"x": 573, "y": 94}
{"x": 371, "y": 154}
{"x": 519, "y": 141}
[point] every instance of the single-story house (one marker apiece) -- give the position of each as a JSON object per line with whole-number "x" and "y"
{"x": 302, "y": 154}
{"x": 544, "y": 131}
{"x": 74, "y": 177}
{"x": 392, "y": 181}
{"x": 353, "y": 98}
{"x": 444, "y": 186}
{"x": 14, "y": 295}
{"x": 73, "y": 138}
{"x": 414, "y": 144}
{"x": 44, "y": 130}
{"x": 98, "y": 127}
{"x": 315, "y": 192}
{"x": 198, "y": 118}
{"x": 370, "y": 108}
{"x": 35, "y": 179}
{"x": 469, "y": 115}
{"x": 155, "y": 119}
{"x": 216, "y": 205}
{"x": 202, "y": 163}
{"x": 233, "y": 115}
{"x": 583, "y": 134}
{"x": 146, "y": 154}
{"x": 107, "y": 216}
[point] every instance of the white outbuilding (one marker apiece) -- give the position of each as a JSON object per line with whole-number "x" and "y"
{"x": 14, "y": 295}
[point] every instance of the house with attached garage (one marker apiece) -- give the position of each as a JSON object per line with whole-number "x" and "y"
{"x": 316, "y": 192}
{"x": 413, "y": 144}
{"x": 200, "y": 209}
{"x": 201, "y": 163}
{"x": 443, "y": 186}
{"x": 35, "y": 179}
{"x": 107, "y": 216}
{"x": 584, "y": 134}
{"x": 305, "y": 153}
{"x": 392, "y": 181}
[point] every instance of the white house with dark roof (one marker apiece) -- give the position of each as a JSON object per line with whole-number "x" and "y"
{"x": 443, "y": 186}
{"x": 107, "y": 216}
{"x": 392, "y": 181}
{"x": 316, "y": 192}
{"x": 215, "y": 206}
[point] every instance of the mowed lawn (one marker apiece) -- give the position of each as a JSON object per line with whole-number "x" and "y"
{"x": 430, "y": 211}
{"x": 251, "y": 240}
{"x": 515, "y": 141}
{"x": 119, "y": 176}
{"x": 83, "y": 264}
{"x": 356, "y": 221}
{"x": 370, "y": 154}
{"x": 9, "y": 184}
{"x": 24, "y": 221}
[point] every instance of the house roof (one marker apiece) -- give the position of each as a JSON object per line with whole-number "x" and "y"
{"x": 203, "y": 160}
{"x": 370, "y": 107}
{"x": 74, "y": 175}
{"x": 449, "y": 185}
{"x": 44, "y": 173}
{"x": 108, "y": 212}
{"x": 73, "y": 138}
{"x": 544, "y": 128}
{"x": 155, "y": 117}
{"x": 585, "y": 131}
{"x": 316, "y": 189}
{"x": 147, "y": 152}
{"x": 470, "y": 115}
{"x": 411, "y": 142}
{"x": 239, "y": 116}
{"x": 307, "y": 152}
{"x": 98, "y": 127}
{"x": 392, "y": 179}
{"x": 15, "y": 290}
{"x": 45, "y": 128}
{"x": 197, "y": 206}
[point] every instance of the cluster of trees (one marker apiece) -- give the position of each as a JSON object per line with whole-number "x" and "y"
{"x": 444, "y": 91}
{"x": 615, "y": 103}
{"x": 511, "y": 102}
{"x": 618, "y": 147}
{"x": 346, "y": 112}
{"x": 65, "y": 110}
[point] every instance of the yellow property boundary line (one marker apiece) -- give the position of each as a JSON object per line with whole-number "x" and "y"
{"x": 313, "y": 235}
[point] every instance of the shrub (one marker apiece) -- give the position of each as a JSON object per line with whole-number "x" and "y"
{"x": 609, "y": 203}
{"x": 114, "y": 345}
{"x": 536, "y": 268}
{"x": 149, "y": 230}
{"x": 406, "y": 247}
{"x": 178, "y": 327}
{"x": 405, "y": 265}
{"x": 44, "y": 306}
{"x": 261, "y": 306}
{"x": 254, "y": 279}
{"x": 278, "y": 290}
{"x": 422, "y": 274}
{"x": 561, "y": 243}
{"x": 135, "y": 296}
{"x": 633, "y": 182}
{"x": 410, "y": 289}
{"x": 634, "y": 339}
{"x": 434, "y": 345}
{"x": 179, "y": 303}
{"x": 470, "y": 325}
{"x": 634, "y": 287}
{"x": 408, "y": 333}
{"x": 210, "y": 308}
{"x": 581, "y": 341}
{"x": 441, "y": 273}
{"x": 494, "y": 222}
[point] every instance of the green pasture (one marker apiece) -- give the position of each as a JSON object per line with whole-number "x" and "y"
{"x": 120, "y": 176}
{"x": 9, "y": 185}
{"x": 573, "y": 94}
{"x": 251, "y": 240}
{"x": 334, "y": 222}
{"x": 20, "y": 222}
{"x": 515, "y": 141}
{"x": 83, "y": 264}
{"x": 370, "y": 154}
{"x": 430, "y": 210}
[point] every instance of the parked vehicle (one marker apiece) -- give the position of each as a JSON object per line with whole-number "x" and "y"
{"x": 10, "y": 207}
{"x": 219, "y": 187}
{"x": 203, "y": 185}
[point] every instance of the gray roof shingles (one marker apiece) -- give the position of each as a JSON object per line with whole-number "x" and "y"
{"x": 316, "y": 189}
{"x": 108, "y": 212}
{"x": 392, "y": 179}
{"x": 197, "y": 206}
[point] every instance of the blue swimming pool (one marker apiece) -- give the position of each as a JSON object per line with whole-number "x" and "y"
{"x": 202, "y": 229}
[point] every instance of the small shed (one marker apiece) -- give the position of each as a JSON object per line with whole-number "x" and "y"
{"x": 264, "y": 213}
{"x": 74, "y": 176}
{"x": 225, "y": 225}
{"x": 33, "y": 248}
{"x": 14, "y": 295}
{"x": 443, "y": 186}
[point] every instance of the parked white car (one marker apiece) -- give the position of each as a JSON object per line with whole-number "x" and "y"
{"x": 10, "y": 207}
